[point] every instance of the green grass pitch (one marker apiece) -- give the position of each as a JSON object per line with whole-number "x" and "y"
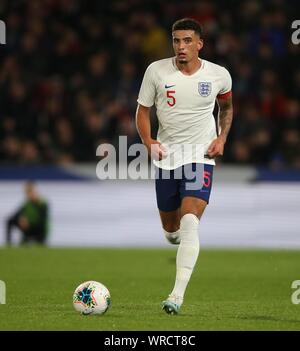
{"x": 229, "y": 290}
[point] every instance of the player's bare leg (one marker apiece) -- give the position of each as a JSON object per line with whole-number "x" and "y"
{"x": 187, "y": 254}
{"x": 171, "y": 225}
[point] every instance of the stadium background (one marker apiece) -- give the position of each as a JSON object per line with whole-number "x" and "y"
{"x": 69, "y": 76}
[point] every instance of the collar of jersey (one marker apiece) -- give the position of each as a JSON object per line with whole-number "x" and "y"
{"x": 188, "y": 75}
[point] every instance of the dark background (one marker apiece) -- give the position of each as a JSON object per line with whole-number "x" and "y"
{"x": 70, "y": 73}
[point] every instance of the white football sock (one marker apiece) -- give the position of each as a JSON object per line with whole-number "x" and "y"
{"x": 174, "y": 237}
{"x": 187, "y": 253}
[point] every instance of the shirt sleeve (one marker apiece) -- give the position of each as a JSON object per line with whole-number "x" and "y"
{"x": 226, "y": 84}
{"x": 147, "y": 91}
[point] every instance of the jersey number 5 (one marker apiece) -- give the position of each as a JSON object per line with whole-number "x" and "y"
{"x": 206, "y": 180}
{"x": 171, "y": 98}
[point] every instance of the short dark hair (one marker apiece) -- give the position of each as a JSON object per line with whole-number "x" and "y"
{"x": 188, "y": 24}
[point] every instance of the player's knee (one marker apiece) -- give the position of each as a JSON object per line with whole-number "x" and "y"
{"x": 170, "y": 227}
{"x": 193, "y": 206}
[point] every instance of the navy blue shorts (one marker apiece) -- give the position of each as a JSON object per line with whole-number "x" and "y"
{"x": 172, "y": 186}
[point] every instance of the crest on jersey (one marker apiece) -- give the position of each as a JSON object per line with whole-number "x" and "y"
{"x": 204, "y": 88}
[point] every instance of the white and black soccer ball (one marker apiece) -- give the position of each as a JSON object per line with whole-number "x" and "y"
{"x": 91, "y": 297}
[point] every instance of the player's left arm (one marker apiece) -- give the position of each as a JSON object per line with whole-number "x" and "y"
{"x": 216, "y": 148}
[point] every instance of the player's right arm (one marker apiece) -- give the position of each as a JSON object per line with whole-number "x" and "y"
{"x": 145, "y": 100}
{"x": 143, "y": 125}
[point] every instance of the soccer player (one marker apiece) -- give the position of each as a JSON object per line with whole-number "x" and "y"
{"x": 184, "y": 89}
{"x": 31, "y": 219}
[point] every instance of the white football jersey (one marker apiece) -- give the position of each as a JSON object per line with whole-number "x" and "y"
{"x": 185, "y": 105}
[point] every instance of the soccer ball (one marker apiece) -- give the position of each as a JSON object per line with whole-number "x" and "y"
{"x": 91, "y": 298}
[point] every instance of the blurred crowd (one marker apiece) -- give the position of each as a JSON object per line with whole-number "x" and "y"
{"x": 71, "y": 69}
